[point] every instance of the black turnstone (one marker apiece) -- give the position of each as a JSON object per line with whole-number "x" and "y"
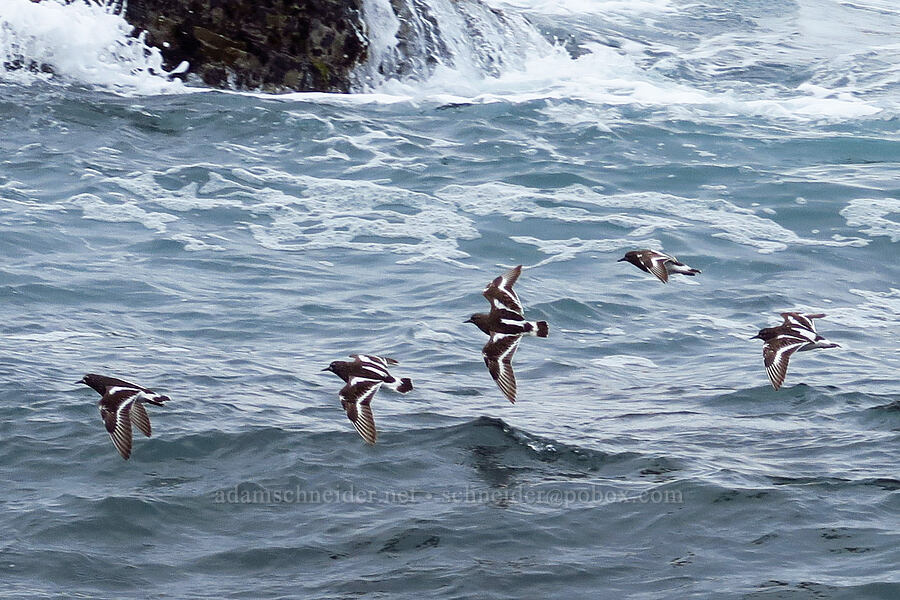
{"x": 661, "y": 265}
{"x": 505, "y": 325}
{"x": 122, "y": 404}
{"x": 796, "y": 334}
{"x": 363, "y": 376}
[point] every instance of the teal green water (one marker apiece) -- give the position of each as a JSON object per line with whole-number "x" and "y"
{"x": 224, "y": 248}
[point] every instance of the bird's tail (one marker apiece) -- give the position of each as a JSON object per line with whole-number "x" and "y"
{"x": 156, "y": 399}
{"x": 405, "y": 385}
{"x": 680, "y": 267}
{"x": 543, "y": 330}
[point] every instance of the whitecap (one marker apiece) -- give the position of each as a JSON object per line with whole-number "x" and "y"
{"x": 877, "y": 312}
{"x": 870, "y": 215}
{"x": 93, "y": 207}
{"x": 82, "y": 42}
{"x": 657, "y": 211}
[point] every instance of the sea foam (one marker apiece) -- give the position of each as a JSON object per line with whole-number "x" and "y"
{"x": 83, "y": 43}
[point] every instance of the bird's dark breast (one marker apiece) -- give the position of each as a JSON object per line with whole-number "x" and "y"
{"x": 484, "y": 327}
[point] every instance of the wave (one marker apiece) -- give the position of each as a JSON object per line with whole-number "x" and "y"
{"x": 414, "y": 40}
{"x": 301, "y": 213}
{"x": 84, "y": 43}
{"x": 462, "y": 52}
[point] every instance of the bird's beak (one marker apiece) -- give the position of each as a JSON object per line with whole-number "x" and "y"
{"x": 328, "y": 368}
{"x": 469, "y": 320}
{"x": 621, "y": 259}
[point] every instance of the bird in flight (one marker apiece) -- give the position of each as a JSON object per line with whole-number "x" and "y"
{"x": 506, "y": 325}
{"x": 796, "y": 334}
{"x": 661, "y": 265}
{"x": 121, "y": 404}
{"x": 363, "y": 376}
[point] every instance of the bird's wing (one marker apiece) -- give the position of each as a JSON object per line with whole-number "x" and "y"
{"x": 498, "y": 354}
{"x": 356, "y": 398}
{"x": 500, "y": 292}
{"x": 382, "y": 360}
{"x": 776, "y": 354}
{"x": 656, "y": 264}
{"x": 118, "y": 425}
{"x": 799, "y": 320}
{"x": 140, "y": 418}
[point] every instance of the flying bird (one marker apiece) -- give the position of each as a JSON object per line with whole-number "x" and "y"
{"x": 121, "y": 404}
{"x": 505, "y": 325}
{"x": 796, "y": 334}
{"x": 661, "y": 265}
{"x": 363, "y": 376}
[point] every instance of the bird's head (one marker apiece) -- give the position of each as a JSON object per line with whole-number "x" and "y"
{"x": 94, "y": 381}
{"x": 480, "y": 320}
{"x": 340, "y": 368}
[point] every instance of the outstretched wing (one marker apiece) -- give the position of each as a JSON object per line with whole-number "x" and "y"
{"x": 656, "y": 264}
{"x": 500, "y": 292}
{"x": 381, "y": 360}
{"x": 498, "y": 354}
{"x": 776, "y": 354}
{"x": 140, "y": 418}
{"x": 794, "y": 319}
{"x": 118, "y": 424}
{"x": 356, "y": 398}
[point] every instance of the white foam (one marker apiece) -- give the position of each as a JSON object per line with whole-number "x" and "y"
{"x": 51, "y": 337}
{"x": 467, "y": 38}
{"x": 288, "y": 212}
{"x": 609, "y": 78}
{"x": 853, "y": 74}
{"x": 633, "y": 74}
{"x": 561, "y": 250}
{"x": 869, "y": 214}
{"x": 873, "y": 176}
{"x": 655, "y": 211}
{"x": 580, "y": 7}
{"x": 335, "y": 213}
{"x": 122, "y": 212}
{"x": 81, "y": 42}
{"x": 877, "y": 313}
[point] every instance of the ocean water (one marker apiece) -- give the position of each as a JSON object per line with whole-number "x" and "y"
{"x": 222, "y": 248}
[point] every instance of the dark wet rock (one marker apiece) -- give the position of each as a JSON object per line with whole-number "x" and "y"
{"x": 269, "y": 45}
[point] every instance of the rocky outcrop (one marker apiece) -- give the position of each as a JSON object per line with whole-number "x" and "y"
{"x": 270, "y": 45}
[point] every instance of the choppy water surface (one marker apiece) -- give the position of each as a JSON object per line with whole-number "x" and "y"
{"x": 223, "y": 248}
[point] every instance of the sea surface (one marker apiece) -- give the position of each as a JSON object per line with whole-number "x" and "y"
{"x": 223, "y": 247}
